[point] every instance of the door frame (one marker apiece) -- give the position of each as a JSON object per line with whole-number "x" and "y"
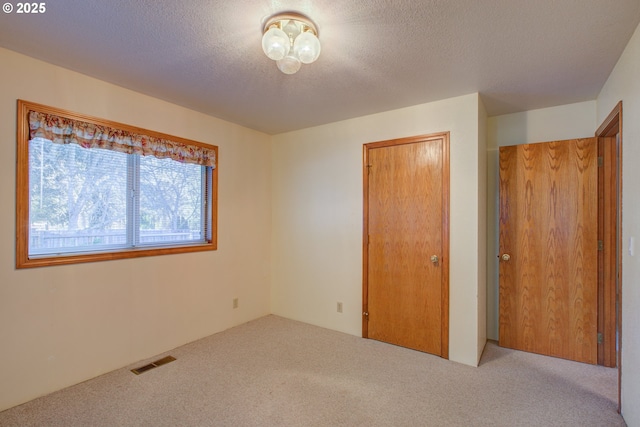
{"x": 611, "y": 127}
{"x": 444, "y": 136}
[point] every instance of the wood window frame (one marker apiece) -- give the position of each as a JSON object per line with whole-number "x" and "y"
{"x": 22, "y": 196}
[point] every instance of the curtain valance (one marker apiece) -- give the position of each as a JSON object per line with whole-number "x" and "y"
{"x": 62, "y": 130}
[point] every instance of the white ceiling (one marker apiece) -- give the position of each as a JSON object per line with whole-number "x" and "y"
{"x": 377, "y": 55}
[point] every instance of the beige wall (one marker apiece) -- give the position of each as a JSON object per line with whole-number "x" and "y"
{"x": 482, "y": 227}
{"x": 547, "y": 124}
{"x": 62, "y": 325}
{"x": 317, "y": 217}
{"x": 624, "y": 84}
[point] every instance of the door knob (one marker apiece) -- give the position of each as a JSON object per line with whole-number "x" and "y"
{"x": 505, "y": 257}
{"x": 434, "y": 259}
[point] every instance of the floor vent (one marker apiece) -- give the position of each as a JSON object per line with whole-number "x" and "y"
{"x": 152, "y": 365}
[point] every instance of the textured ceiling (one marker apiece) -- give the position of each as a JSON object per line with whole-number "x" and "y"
{"x": 376, "y": 55}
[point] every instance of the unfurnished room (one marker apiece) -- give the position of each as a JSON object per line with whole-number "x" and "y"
{"x": 320, "y": 213}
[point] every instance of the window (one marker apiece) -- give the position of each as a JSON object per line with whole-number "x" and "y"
{"x": 90, "y": 189}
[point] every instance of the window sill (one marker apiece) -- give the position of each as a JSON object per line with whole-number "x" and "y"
{"x": 47, "y": 261}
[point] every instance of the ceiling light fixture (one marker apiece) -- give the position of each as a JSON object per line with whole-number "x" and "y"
{"x": 290, "y": 39}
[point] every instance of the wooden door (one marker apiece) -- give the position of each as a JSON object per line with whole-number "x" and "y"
{"x": 549, "y": 248}
{"x": 406, "y": 243}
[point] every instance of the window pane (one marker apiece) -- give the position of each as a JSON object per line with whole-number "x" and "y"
{"x": 170, "y": 202}
{"x": 76, "y": 204}
{"x": 77, "y": 198}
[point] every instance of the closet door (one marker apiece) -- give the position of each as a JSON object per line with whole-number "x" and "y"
{"x": 406, "y": 243}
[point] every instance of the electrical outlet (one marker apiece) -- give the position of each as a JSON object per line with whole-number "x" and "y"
{"x": 339, "y": 307}
{"x": 235, "y": 303}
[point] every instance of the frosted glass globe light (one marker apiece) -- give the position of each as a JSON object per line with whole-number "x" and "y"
{"x": 289, "y": 64}
{"x": 275, "y": 43}
{"x": 290, "y": 39}
{"x": 307, "y": 47}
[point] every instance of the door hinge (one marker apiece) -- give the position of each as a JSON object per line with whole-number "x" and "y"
{"x": 365, "y": 314}
{"x": 369, "y": 166}
{"x": 600, "y": 338}
{"x": 600, "y": 245}
{"x": 600, "y": 161}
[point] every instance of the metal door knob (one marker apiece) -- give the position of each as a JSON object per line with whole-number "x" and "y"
{"x": 434, "y": 259}
{"x": 506, "y": 257}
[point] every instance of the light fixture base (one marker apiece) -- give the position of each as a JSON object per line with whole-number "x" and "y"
{"x": 280, "y": 19}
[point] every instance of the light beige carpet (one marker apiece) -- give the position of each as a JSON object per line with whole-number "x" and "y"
{"x": 278, "y": 372}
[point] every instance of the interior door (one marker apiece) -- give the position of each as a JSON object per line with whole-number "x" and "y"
{"x": 549, "y": 248}
{"x": 406, "y": 243}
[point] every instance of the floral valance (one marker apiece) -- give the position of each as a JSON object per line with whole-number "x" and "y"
{"x": 62, "y": 130}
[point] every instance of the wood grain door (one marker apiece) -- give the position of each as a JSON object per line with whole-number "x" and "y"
{"x": 549, "y": 248}
{"x": 406, "y": 259}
